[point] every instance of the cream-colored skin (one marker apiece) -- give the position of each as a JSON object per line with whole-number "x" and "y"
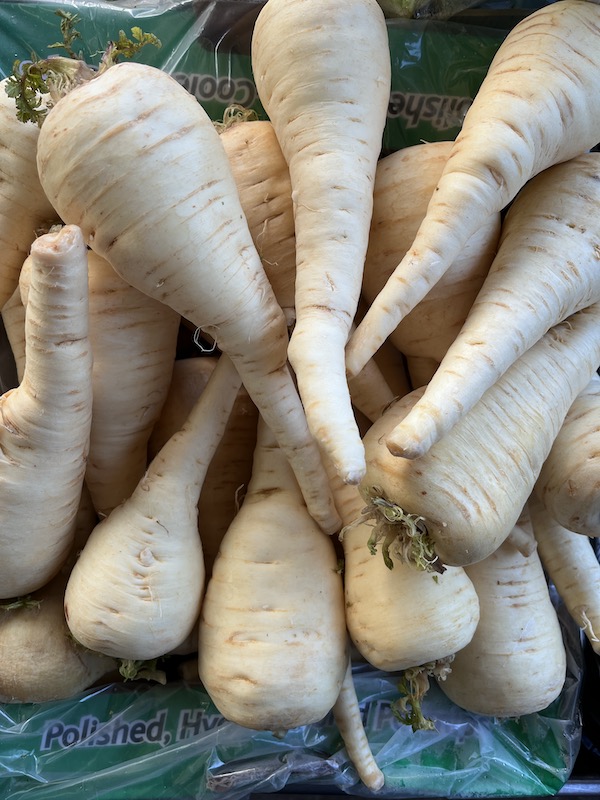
{"x": 136, "y": 589}
{"x": 545, "y": 270}
{"x": 572, "y": 566}
{"x": 394, "y": 368}
{"x": 347, "y": 717}
{"x": 39, "y": 660}
{"x": 23, "y": 205}
{"x": 13, "y": 319}
{"x": 272, "y": 642}
{"x": 429, "y": 330}
{"x": 528, "y": 114}
{"x": 370, "y": 392}
{"x": 328, "y": 106}
{"x": 46, "y": 420}
{"x": 401, "y": 617}
{"x": 569, "y": 483}
{"x": 515, "y": 663}
{"x": 134, "y": 340}
{"x": 472, "y": 484}
{"x": 179, "y": 234}
{"x": 263, "y": 181}
{"x": 230, "y": 468}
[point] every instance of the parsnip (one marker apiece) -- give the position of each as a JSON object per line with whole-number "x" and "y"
{"x": 535, "y": 108}
{"x": 572, "y": 566}
{"x": 136, "y": 589}
{"x": 569, "y": 482}
{"x": 460, "y": 500}
{"x": 272, "y": 642}
{"x": 230, "y": 468}
{"x": 328, "y": 106}
{"x": 46, "y": 420}
{"x": 516, "y": 661}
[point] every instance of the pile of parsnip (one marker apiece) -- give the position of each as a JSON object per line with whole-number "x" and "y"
{"x": 394, "y": 446}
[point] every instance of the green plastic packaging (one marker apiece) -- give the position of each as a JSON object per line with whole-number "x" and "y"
{"x": 144, "y": 741}
{"x": 437, "y": 66}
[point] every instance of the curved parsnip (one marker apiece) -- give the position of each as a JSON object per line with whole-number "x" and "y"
{"x": 569, "y": 482}
{"x": 348, "y": 719}
{"x": 545, "y": 270}
{"x": 572, "y": 566}
{"x": 230, "y": 468}
{"x": 322, "y": 71}
{"x": 272, "y": 642}
{"x": 45, "y": 421}
{"x": 537, "y": 106}
{"x": 428, "y": 331}
{"x": 263, "y": 182}
{"x": 134, "y": 159}
{"x": 463, "y": 496}
{"x": 136, "y": 589}
{"x": 23, "y": 205}
{"x": 515, "y": 663}
{"x": 134, "y": 339}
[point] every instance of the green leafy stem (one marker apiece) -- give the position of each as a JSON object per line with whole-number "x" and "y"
{"x": 413, "y": 686}
{"x": 37, "y": 84}
{"x": 399, "y": 533}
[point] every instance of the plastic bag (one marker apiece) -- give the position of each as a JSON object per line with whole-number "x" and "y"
{"x": 142, "y": 740}
{"x": 437, "y": 66}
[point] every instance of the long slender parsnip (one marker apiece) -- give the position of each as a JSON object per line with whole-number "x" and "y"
{"x": 461, "y": 499}
{"x": 45, "y": 421}
{"x": 230, "y": 468}
{"x": 263, "y": 181}
{"x": 322, "y": 70}
{"x": 430, "y": 328}
{"x": 569, "y": 483}
{"x": 136, "y": 589}
{"x": 572, "y": 566}
{"x": 546, "y": 269}
{"x": 537, "y": 106}
{"x": 133, "y": 339}
{"x": 134, "y": 159}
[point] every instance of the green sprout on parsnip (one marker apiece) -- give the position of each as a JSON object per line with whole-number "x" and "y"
{"x": 37, "y": 84}
{"x": 399, "y": 533}
{"x": 413, "y": 686}
{"x": 20, "y": 602}
{"x": 69, "y": 34}
{"x": 132, "y": 669}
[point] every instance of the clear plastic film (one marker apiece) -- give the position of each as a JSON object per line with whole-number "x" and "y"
{"x": 437, "y": 65}
{"x": 145, "y": 740}
{"x": 139, "y": 739}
